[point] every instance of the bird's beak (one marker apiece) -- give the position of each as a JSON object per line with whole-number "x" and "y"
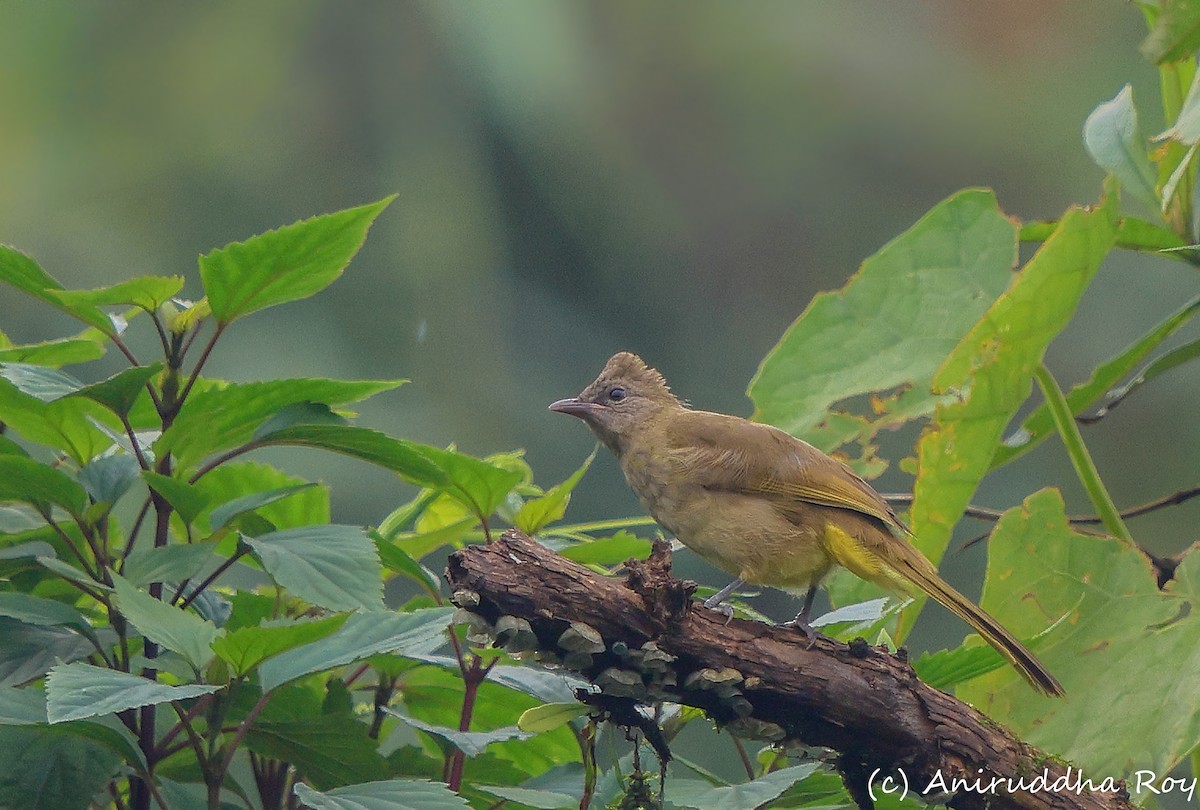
{"x": 575, "y": 407}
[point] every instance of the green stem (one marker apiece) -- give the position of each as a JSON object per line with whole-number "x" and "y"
{"x": 604, "y": 525}
{"x": 1085, "y": 468}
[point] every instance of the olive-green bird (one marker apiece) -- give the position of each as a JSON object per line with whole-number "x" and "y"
{"x": 762, "y": 505}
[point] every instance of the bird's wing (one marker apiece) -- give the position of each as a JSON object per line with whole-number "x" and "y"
{"x": 725, "y": 452}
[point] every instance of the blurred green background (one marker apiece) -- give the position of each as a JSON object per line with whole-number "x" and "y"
{"x": 574, "y": 178}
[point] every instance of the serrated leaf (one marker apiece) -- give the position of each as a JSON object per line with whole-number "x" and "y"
{"x": 550, "y": 716}
{"x": 173, "y": 628}
{"x": 107, "y": 478}
{"x": 1115, "y": 142}
{"x": 120, "y": 391}
{"x": 51, "y": 768}
{"x": 247, "y": 647}
{"x": 395, "y": 794}
{"x": 992, "y": 370}
{"x": 1175, "y": 34}
{"x": 746, "y": 796}
{"x": 305, "y": 507}
{"x": 64, "y": 424}
{"x": 609, "y": 550}
{"x": 877, "y": 334}
{"x": 328, "y": 750}
{"x": 28, "y": 651}
{"x": 288, "y": 264}
{"x": 471, "y": 743}
{"x": 538, "y": 512}
{"x": 39, "y": 611}
{"x": 26, "y": 481}
{"x": 364, "y": 634}
{"x": 71, "y": 573}
{"x": 22, "y": 272}
{"x": 525, "y": 797}
{"x": 185, "y": 498}
{"x": 77, "y": 691}
{"x": 1039, "y": 424}
{"x": 1113, "y": 621}
{"x": 221, "y": 416}
{"x": 474, "y": 482}
{"x": 144, "y": 292}
{"x": 230, "y": 510}
{"x": 331, "y": 566}
{"x": 171, "y": 563}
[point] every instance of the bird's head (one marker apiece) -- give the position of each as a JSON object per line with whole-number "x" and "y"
{"x": 627, "y": 397}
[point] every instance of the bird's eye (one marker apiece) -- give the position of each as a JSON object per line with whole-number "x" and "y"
{"x": 617, "y": 394}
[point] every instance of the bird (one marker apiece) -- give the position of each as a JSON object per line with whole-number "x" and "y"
{"x": 764, "y": 506}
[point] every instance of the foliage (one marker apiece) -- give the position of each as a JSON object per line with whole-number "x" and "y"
{"x": 181, "y": 626}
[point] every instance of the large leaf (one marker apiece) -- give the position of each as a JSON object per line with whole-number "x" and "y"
{"x": 307, "y": 505}
{"x": 67, "y": 424}
{"x": 76, "y": 691}
{"x": 26, "y": 481}
{"x": 1175, "y": 34}
{"x": 328, "y": 751}
{"x": 234, "y": 509}
{"x": 890, "y": 327}
{"x": 471, "y": 743}
{"x": 331, "y": 566}
{"x": 396, "y": 794}
{"x": 28, "y": 651}
{"x": 173, "y": 628}
{"x": 247, "y": 647}
{"x": 746, "y": 796}
{"x": 1115, "y": 142}
{"x": 476, "y": 483}
{"x": 120, "y": 391}
{"x": 43, "y": 612}
{"x": 171, "y": 563}
{"x": 539, "y": 512}
{"x": 52, "y": 768}
{"x": 186, "y": 499}
{"x": 219, "y": 416}
{"x": 1127, "y": 653}
{"x": 992, "y": 369}
{"x": 284, "y": 265}
{"x": 23, "y": 272}
{"x": 1039, "y": 424}
{"x": 144, "y": 292}
{"x": 107, "y": 478}
{"x": 52, "y": 353}
{"x": 364, "y": 634}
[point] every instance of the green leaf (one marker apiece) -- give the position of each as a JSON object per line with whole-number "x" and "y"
{"x": 878, "y": 333}
{"x": 221, "y": 416}
{"x": 23, "y": 272}
{"x": 26, "y": 481}
{"x": 247, "y": 647}
{"x": 145, "y": 292}
{"x": 107, "y": 478}
{"x": 1138, "y": 234}
{"x": 609, "y": 550}
{"x": 364, "y": 634}
{"x": 71, "y": 573}
{"x": 120, "y": 391}
{"x": 53, "y": 353}
{"x": 1115, "y": 142}
{"x": 77, "y": 691}
{"x": 171, "y": 563}
{"x": 173, "y": 628}
{"x": 226, "y": 512}
{"x": 307, "y": 506}
{"x": 471, "y": 743}
{"x": 1169, "y": 360}
{"x": 46, "y": 384}
{"x": 22, "y": 707}
{"x": 992, "y": 370}
{"x": 550, "y": 716}
{"x": 946, "y": 669}
{"x": 52, "y": 768}
{"x": 538, "y": 512}
{"x": 524, "y": 797}
{"x": 397, "y": 559}
{"x": 288, "y": 264}
{"x": 328, "y": 751}
{"x": 185, "y": 498}
{"x": 64, "y": 424}
{"x": 746, "y": 796}
{"x": 395, "y": 794}
{"x": 473, "y": 482}
{"x": 28, "y": 651}
{"x": 26, "y": 707}
{"x": 1039, "y": 424}
{"x": 43, "y": 612}
{"x": 331, "y": 566}
{"x": 1112, "y": 620}
{"x": 1175, "y": 34}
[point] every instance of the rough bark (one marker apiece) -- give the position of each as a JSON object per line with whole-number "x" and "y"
{"x": 862, "y": 702}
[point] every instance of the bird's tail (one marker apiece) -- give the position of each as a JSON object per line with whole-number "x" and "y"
{"x": 922, "y": 574}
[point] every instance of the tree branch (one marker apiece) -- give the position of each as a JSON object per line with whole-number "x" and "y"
{"x": 862, "y": 702}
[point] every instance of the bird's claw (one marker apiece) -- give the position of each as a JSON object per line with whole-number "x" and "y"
{"x": 801, "y": 624}
{"x": 723, "y": 609}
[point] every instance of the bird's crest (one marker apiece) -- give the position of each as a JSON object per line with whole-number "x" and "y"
{"x": 628, "y": 367}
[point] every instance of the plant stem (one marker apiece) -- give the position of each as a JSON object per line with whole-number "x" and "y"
{"x": 221, "y": 569}
{"x": 1085, "y": 468}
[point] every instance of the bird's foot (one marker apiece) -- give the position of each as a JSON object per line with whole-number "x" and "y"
{"x": 723, "y": 609}
{"x": 801, "y": 623}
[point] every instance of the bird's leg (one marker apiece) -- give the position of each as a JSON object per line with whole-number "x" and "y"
{"x": 714, "y": 602}
{"x": 801, "y": 620}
